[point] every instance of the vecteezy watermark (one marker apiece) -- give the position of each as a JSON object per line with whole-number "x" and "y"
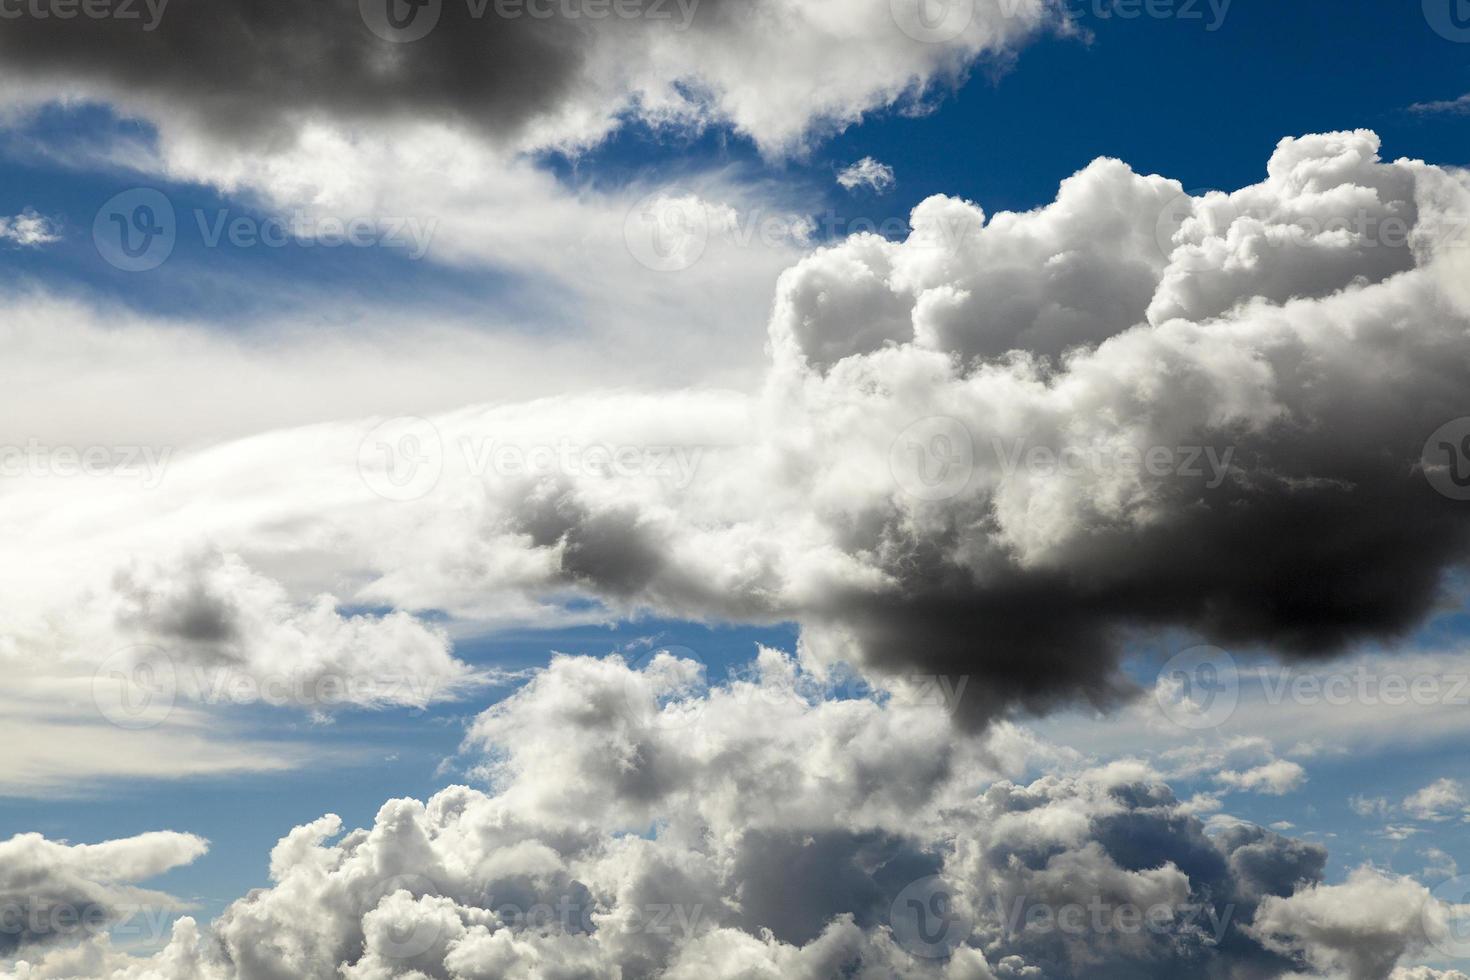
{"x": 137, "y": 231}
{"x": 138, "y": 687}
{"x": 943, "y": 21}
{"x": 933, "y": 459}
{"x": 1360, "y": 685}
{"x": 1099, "y": 916}
{"x": 676, "y": 466}
{"x": 671, "y": 230}
{"x": 409, "y": 936}
{"x": 147, "y": 13}
{"x": 1198, "y": 688}
{"x": 403, "y": 459}
{"x": 1446, "y": 918}
{"x": 929, "y": 919}
{"x": 406, "y": 21}
{"x": 1210, "y": 464}
{"x": 936, "y": 21}
{"x": 1362, "y": 228}
{"x": 1210, "y": 14}
{"x": 411, "y": 235}
{"x": 1446, "y": 459}
{"x": 572, "y": 914}
{"x": 42, "y": 917}
{"x": 1450, "y": 19}
{"x": 39, "y": 460}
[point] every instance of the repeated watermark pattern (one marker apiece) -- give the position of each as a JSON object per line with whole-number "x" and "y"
{"x": 407, "y": 21}
{"x": 1446, "y": 918}
{"x": 137, "y": 688}
{"x": 945, "y": 21}
{"x": 1446, "y": 459}
{"x": 1202, "y": 687}
{"x": 1364, "y": 228}
{"x": 39, "y": 460}
{"x": 138, "y": 230}
{"x": 147, "y": 14}
{"x": 1450, "y": 19}
{"x": 930, "y": 919}
{"x": 403, "y": 459}
{"x": 936, "y": 458}
{"x": 42, "y": 915}
{"x": 671, "y": 230}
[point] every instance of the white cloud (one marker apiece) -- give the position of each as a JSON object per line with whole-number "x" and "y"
{"x": 1441, "y": 800}
{"x": 1361, "y": 928}
{"x": 769, "y": 831}
{"x": 1460, "y": 106}
{"x": 868, "y": 173}
{"x": 57, "y": 894}
{"x": 28, "y": 230}
{"x": 1274, "y": 778}
{"x": 789, "y": 511}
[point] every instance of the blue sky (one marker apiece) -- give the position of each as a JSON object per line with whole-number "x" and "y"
{"x": 1165, "y": 95}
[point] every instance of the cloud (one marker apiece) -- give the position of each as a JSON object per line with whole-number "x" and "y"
{"x": 687, "y": 826}
{"x": 1460, "y": 106}
{"x": 1441, "y": 800}
{"x": 1360, "y": 928}
{"x": 1365, "y": 806}
{"x": 28, "y": 230}
{"x": 523, "y": 75}
{"x": 868, "y": 173}
{"x": 54, "y": 893}
{"x": 1069, "y": 349}
{"x": 1274, "y": 779}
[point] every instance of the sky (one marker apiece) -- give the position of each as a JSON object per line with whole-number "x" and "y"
{"x": 705, "y": 454}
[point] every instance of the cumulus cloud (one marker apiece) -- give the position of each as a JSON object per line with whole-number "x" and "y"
{"x": 1129, "y": 409}
{"x": 28, "y": 230}
{"x": 1443, "y": 799}
{"x": 53, "y": 893}
{"x": 680, "y": 825}
{"x": 525, "y": 75}
{"x": 1360, "y": 928}
{"x": 1274, "y": 778}
{"x": 868, "y": 173}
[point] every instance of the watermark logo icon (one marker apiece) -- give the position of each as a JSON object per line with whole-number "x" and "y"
{"x": 135, "y": 688}
{"x": 405, "y": 937}
{"x": 927, "y": 919}
{"x": 401, "y": 459}
{"x": 1450, "y": 19}
{"x": 667, "y": 233}
{"x": 1446, "y": 459}
{"x": 933, "y": 459}
{"x": 1446, "y": 918}
{"x": 135, "y": 231}
{"x": 933, "y": 21}
{"x": 1198, "y": 688}
{"x": 1187, "y": 205}
{"x": 401, "y": 21}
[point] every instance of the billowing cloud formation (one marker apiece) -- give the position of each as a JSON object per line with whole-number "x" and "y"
{"x": 641, "y": 824}
{"x": 1358, "y": 929}
{"x": 526, "y": 73}
{"x": 984, "y": 452}
{"x": 52, "y": 893}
